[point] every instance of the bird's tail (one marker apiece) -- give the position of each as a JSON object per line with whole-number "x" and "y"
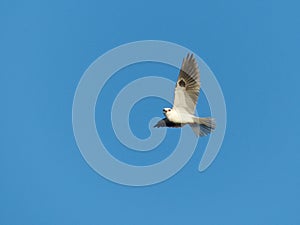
{"x": 203, "y": 126}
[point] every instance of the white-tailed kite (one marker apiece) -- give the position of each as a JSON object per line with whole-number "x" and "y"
{"x": 185, "y": 100}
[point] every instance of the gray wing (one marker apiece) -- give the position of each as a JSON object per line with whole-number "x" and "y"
{"x": 187, "y": 86}
{"x": 166, "y": 123}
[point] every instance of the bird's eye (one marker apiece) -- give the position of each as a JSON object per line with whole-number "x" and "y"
{"x": 169, "y": 110}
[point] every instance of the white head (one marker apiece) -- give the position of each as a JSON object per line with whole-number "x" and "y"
{"x": 167, "y": 110}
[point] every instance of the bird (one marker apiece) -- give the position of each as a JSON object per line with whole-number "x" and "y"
{"x": 186, "y": 95}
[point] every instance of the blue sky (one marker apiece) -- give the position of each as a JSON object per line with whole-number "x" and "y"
{"x": 253, "y": 49}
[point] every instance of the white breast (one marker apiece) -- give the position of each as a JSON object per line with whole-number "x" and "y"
{"x": 176, "y": 117}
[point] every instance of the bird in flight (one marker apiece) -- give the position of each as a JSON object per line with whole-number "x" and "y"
{"x": 185, "y": 100}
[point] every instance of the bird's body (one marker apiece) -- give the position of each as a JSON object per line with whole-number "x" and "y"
{"x": 179, "y": 117}
{"x": 186, "y": 96}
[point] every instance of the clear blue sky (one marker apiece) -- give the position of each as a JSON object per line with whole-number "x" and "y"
{"x": 253, "y": 49}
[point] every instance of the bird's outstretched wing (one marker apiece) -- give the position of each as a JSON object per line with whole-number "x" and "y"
{"x": 187, "y": 86}
{"x": 167, "y": 123}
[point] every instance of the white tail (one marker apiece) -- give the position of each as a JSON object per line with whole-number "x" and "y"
{"x": 203, "y": 126}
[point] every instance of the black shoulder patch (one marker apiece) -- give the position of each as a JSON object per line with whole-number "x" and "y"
{"x": 181, "y": 83}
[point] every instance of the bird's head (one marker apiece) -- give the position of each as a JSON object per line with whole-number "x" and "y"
{"x": 166, "y": 110}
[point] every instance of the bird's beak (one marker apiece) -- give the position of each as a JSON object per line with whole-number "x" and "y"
{"x": 164, "y": 110}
